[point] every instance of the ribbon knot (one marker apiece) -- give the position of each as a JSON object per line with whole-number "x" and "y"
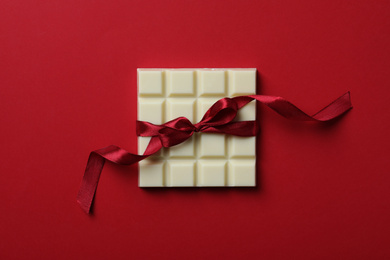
{"x": 200, "y": 127}
{"x": 197, "y": 129}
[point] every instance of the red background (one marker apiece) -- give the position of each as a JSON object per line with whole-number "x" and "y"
{"x": 68, "y": 86}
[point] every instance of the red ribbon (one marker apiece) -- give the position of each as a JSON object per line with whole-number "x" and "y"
{"x": 218, "y": 119}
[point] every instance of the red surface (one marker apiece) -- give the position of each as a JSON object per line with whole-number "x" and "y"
{"x": 68, "y": 86}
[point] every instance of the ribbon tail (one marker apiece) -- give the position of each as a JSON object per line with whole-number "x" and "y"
{"x": 288, "y": 110}
{"x": 335, "y": 109}
{"x": 95, "y": 165}
{"x": 90, "y": 181}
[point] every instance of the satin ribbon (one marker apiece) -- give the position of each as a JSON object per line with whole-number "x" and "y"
{"x": 218, "y": 119}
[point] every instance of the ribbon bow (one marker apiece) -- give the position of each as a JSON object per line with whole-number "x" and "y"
{"x": 218, "y": 119}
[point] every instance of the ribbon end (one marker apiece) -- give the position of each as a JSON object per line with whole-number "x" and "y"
{"x": 85, "y": 206}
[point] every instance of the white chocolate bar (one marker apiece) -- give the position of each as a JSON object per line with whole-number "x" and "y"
{"x": 204, "y": 159}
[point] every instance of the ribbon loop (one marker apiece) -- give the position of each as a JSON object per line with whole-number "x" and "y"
{"x": 222, "y": 112}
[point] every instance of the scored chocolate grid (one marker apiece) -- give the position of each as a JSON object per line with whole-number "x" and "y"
{"x": 166, "y": 158}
